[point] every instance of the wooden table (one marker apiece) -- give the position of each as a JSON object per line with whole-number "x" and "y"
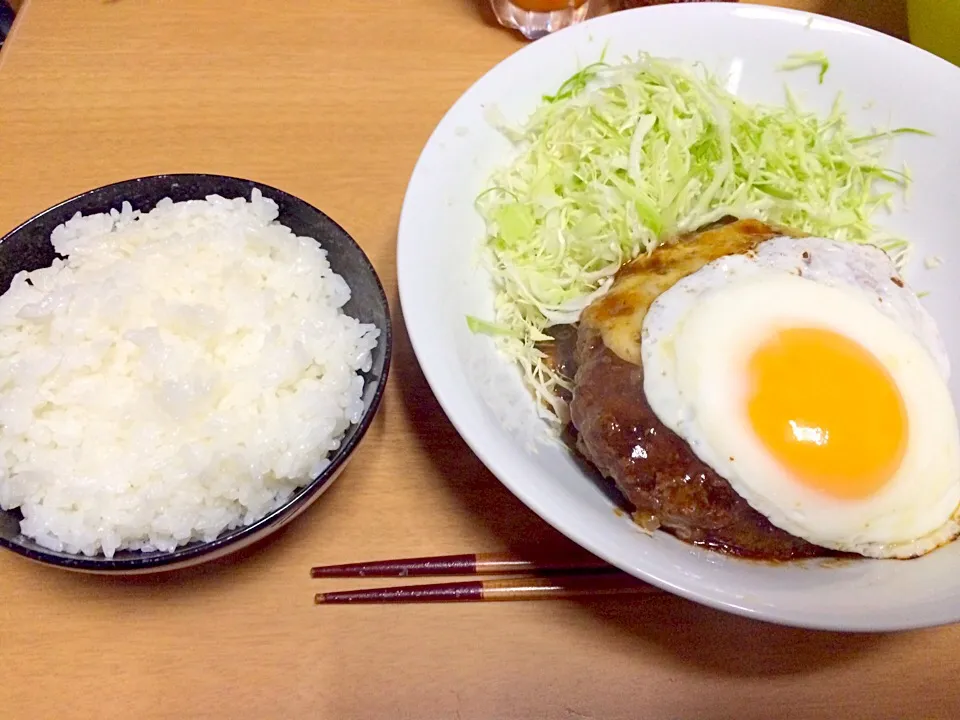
{"x": 332, "y": 101}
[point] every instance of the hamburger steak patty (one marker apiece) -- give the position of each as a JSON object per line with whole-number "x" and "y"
{"x": 617, "y": 432}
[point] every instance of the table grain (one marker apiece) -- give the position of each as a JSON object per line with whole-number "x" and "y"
{"x": 332, "y": 100}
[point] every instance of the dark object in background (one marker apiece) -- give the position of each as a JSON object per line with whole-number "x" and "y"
{"x": 627, "y": 4}
{"x": 6, "y": 20}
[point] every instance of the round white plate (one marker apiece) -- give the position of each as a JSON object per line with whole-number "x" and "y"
{"x": 886, "y": 83}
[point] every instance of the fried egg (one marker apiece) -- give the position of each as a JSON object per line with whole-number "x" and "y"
{"x": 808, "y": 375}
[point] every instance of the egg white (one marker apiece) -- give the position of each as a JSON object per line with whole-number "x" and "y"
{"x": 696, "y": 342}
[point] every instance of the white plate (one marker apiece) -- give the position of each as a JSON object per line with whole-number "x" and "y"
{"x": 886, "y": 83}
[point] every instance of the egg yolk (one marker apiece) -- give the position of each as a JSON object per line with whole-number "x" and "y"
{"x": 828, "y": 410}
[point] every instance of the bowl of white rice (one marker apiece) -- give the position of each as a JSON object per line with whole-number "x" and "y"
{"x": 186, "y": 363}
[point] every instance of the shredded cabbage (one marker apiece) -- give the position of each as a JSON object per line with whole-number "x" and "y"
{"x": 795, "y": 61}
{"x": 623, "y": 156}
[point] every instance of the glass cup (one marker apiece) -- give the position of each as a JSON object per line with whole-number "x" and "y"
{"x": 536, "y": 18}
{"x": 935, "y": 26}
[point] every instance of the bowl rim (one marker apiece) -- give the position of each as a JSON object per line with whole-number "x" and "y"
{"x": 194, "y": 552}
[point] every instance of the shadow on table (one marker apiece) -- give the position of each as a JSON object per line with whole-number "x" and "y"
{"x": 483, "y": 10}
{"x": 680, "y": 630}
{"x": 695, "y": 635}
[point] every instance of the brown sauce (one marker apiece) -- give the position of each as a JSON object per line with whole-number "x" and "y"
{"x": 559, "y": 353}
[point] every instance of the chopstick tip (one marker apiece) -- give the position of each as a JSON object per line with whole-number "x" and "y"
{"x": 338, "y": 571}
{"x": 319, "y": 599}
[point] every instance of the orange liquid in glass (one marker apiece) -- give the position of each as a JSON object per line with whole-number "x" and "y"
{"x": 547, "y": 5}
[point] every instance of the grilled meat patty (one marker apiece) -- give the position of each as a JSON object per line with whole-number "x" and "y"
{"x": 617, "y": 432}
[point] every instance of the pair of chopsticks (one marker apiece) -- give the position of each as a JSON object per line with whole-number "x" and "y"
{"x": 529, "y": 579}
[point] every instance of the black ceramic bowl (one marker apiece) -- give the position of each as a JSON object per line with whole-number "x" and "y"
{"x": 28, "y": 248}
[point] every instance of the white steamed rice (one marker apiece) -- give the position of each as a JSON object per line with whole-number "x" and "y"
{"x": 183, "y": 372}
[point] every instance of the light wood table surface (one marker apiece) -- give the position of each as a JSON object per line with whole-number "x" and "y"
{"x": 332, "y": 100}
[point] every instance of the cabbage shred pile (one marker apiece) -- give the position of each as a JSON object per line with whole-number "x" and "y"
{"x": 622, "y": 157}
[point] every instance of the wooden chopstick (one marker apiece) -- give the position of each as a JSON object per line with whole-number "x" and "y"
{"x": 534, "y": 588}
{"x": 470, "y": 564}
{"x": 544, "y": 579}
